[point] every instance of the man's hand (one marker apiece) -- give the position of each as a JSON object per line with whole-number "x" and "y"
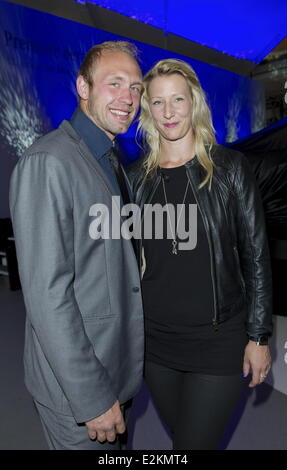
{"x": 106, "y": 426}
{"x": 258, "y": 360}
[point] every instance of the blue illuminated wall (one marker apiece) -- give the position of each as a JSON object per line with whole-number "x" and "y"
{"x": 243, "y": 29}
{"x": 39, "y": 58}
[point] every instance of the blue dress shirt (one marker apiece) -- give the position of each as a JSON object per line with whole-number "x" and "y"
{"x": 97, "y": 142}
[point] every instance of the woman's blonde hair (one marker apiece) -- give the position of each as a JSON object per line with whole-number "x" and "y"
{"x": 203, "y": 130}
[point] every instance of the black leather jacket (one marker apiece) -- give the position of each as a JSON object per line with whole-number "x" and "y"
{"x": 235, "y": 225}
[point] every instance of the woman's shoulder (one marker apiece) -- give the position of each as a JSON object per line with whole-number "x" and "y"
{"x": 226, "y": 157}
{"x": 135, "y": 169}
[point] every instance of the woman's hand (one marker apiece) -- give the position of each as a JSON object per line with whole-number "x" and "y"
{"x": 258, "y": 360}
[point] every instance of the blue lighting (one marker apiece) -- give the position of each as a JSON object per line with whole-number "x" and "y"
{"x": 153, "y": 13}
{"x": 245, "y": 29}
{"x": 38, "y": 71}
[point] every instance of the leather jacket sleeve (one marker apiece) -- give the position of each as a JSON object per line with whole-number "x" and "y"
{"x": 253, "y": 250}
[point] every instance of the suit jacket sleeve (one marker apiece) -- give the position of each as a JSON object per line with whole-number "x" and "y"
{"x": 42, "y": 212}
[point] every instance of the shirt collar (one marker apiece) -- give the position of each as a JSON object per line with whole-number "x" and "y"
{"x": 95, "y": 139}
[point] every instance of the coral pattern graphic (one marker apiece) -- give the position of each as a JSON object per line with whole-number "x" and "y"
{"x": 22, "y": 117}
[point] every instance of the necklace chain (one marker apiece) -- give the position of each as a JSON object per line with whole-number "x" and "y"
{"x": 174, "y": 235}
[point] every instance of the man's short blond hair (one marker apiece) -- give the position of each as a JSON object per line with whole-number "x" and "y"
{"x": 94, "y": 54}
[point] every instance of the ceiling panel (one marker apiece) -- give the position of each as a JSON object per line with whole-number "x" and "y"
{"x": 150, "y": 12}
{"x": 245, "y": 29}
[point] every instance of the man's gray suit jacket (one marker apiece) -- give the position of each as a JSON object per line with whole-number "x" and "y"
{"x": 84, "y": 326}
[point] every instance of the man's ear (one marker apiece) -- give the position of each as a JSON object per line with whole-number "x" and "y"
{"x": 82, "y": 88}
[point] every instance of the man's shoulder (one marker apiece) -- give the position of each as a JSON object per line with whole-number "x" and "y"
{"x": 57, "y": 143}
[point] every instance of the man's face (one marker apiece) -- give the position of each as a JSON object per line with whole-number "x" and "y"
{"x": 113, "y": 100}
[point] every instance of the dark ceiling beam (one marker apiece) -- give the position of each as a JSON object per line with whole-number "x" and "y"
{"x": 63, "y": 8}
{"x": 108, "y": 20}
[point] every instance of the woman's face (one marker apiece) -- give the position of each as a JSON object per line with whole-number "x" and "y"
{"x": 170, "y": 105}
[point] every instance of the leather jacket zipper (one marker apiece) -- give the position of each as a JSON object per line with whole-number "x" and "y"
{"x": 215, "y": 318}
{"x": 149, "y": 198}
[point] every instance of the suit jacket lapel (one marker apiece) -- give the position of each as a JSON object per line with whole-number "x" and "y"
{"x": 86, "y": 154}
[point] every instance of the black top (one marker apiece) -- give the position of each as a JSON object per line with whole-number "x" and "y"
{"x": 178, "y": 294}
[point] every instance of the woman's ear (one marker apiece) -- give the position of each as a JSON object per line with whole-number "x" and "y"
{"x": 82, "y": 87}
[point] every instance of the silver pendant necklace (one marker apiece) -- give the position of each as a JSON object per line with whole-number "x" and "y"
{"x": 174, "y": 235}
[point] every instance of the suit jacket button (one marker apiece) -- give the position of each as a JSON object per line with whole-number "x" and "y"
{"x": 136, "y": 289}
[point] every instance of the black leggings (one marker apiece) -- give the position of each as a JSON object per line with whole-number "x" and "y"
{"x": 196, "y": 407}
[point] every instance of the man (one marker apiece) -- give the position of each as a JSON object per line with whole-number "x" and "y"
{"x": 84, "y": 326}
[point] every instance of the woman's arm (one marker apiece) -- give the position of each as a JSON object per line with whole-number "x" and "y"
{"x": 254, "y": 256}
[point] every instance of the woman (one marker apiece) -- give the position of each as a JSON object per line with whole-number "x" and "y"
{"x": 207, "y": 297}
